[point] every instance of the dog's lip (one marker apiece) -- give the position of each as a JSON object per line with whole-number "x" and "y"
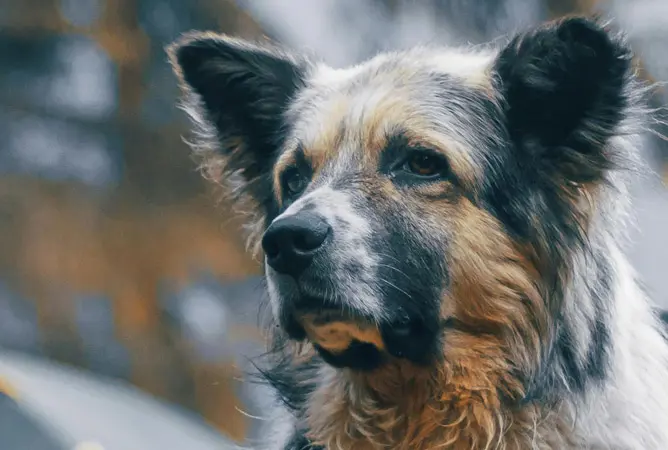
{"x": 306, "y": 302}
{"x": 326, "y": 313}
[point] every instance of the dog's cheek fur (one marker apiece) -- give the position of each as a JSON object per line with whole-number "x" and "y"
{"x": 236, "y": 94}
{"x": 498, "y": 327}
{"x": 495, "y": 304}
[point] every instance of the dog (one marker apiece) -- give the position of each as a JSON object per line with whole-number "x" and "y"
{"x": 442, "y": 232}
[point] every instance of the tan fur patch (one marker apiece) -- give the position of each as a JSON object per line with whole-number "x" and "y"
{"x": 336, "y": 334}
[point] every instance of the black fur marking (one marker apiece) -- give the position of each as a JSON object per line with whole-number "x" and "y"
{"x": 593, "y": 368}
{"x": 596, "y": 366}
{"x": 292, "y": 382}
{"x": 578, "y": 373}
{"x": 244, "y": 90}
{"x": 414, "y": 340}
{"x": 291, "y": 325}
{"x": 415, "y": 267}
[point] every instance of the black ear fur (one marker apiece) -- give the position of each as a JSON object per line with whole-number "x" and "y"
{"x": 242, "y": 89}
{"x": 565, "y": 89}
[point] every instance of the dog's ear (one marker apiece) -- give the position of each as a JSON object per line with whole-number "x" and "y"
{"x": 237, "y": 93}
{"x": 565, "y": 90}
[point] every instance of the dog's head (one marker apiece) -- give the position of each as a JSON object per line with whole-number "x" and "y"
{"x": 422, "y": 204}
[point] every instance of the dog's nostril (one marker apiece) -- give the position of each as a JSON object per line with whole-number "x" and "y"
{"x": 271, "y": 249}
{"x": 301, "y": 243}
{"x": 306, "y": 242}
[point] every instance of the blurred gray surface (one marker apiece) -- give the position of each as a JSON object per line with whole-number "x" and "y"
{"x": 19, "y": 430}
{"x": 80, "y": 408}
{"x": 205, "y": 313}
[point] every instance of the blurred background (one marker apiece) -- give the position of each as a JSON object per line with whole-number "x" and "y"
{"x": 115, "y": 257}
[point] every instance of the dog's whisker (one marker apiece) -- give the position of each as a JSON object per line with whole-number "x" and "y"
{"x": 393, "y": 268}
{"x": 394, "y": 286}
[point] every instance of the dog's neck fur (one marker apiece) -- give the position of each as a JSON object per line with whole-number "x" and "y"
{"x": 401, "y": 408}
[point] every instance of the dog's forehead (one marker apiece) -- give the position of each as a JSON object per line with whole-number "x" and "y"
{"x": 354, "y": 110}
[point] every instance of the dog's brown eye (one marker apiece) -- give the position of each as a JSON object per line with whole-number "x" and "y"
{"x": 424, "y": 165}
{"x": 294, "y": 181}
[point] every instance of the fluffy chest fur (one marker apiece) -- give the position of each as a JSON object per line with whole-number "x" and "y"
{"x": 459, "y": 411}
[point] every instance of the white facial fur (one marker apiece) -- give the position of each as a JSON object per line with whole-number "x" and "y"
{"x": 351, "y": 232}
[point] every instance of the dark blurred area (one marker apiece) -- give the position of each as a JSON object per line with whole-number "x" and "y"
{"x": 115, "y": 256}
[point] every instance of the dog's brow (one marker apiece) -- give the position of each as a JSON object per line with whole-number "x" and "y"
{"x": 325, "y": 146}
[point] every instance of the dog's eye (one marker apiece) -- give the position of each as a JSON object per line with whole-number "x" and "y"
{"x": 424, "y": 164}
{"x": 294, "y": 181}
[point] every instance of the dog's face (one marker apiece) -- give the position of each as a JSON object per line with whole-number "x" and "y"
{"x": 419, "y": 205}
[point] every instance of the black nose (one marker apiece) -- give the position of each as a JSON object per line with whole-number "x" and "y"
{"x": 291, "y": 242}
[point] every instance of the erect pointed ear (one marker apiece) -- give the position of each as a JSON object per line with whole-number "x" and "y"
{"x": 237, "y": 93}
{"x": 566, "y": 89}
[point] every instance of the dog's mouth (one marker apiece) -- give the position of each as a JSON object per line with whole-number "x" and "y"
{"x": 336, "y": 332}
{"x": 343, "y": 339}
{"x": 350, "y": 340}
